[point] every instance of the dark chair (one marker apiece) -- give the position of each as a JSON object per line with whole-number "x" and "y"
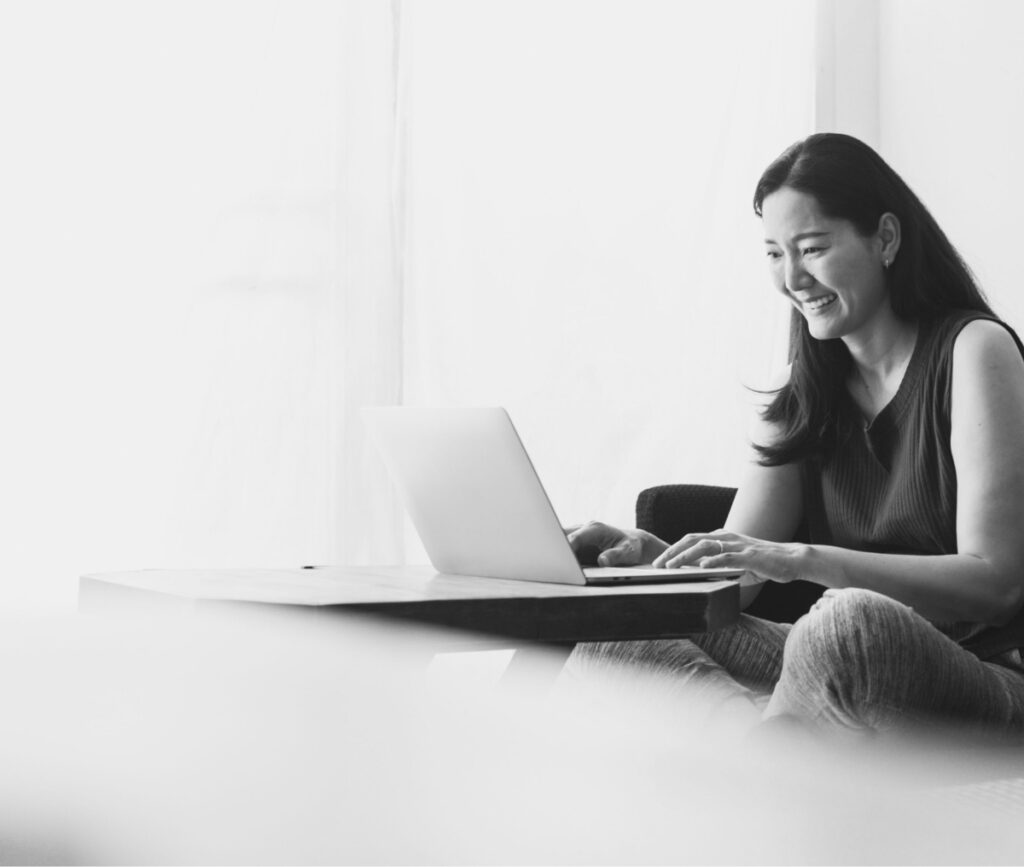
{"x": 672, "y": 511}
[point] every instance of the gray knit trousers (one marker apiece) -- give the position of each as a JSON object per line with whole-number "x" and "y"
{"x": 857, "y": 662}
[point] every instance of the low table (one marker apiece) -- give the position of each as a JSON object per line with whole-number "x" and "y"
{"x": 521, "y": 610}
{"x": 472, "y": 612}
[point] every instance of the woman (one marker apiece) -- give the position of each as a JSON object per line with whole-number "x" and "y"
{"x": 898, "y": 432}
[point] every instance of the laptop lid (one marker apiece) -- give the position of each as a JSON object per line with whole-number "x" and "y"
{"x": 472, "y": 493}
{"x": 477, "y": 503}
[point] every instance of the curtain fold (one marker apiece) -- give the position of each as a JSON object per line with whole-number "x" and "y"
{"x": 369, "y": 312}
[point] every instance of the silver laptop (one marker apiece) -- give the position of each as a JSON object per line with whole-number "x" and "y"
{"x": 477, "y": 502}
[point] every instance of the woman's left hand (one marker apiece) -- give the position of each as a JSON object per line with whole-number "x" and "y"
{"x": 762, "y": 561}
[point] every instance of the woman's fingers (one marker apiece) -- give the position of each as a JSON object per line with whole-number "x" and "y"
{"x": 604, "y": 545}
{"x": 594, "y": 543}
{"x": 591, "y": 533}
{"x": 761, "y": 561}
{"x": 707, "y": 552}
{"x": 626, "y": 553}
{"x": 691, "y": 549}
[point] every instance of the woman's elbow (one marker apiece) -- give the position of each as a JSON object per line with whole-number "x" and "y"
{"x": 1005, "y": 603}
{"x": 993, "y": 592}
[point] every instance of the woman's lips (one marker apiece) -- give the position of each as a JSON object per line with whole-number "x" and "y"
{"x": 816, "y": 305}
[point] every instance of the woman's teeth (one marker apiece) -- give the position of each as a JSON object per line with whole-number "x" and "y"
{"x": 819, "y": 303}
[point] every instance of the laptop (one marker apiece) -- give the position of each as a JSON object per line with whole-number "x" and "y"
{"x": 478, "y": 505}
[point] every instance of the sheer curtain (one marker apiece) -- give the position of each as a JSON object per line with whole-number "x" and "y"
{"x": 199, "y": 285}
{"x": 582, "y": 248}
{"x": 228, "y": 224}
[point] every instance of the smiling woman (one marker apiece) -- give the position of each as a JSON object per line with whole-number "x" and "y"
{"x": 899, "y": 438}
{"x": 876, "y": 249}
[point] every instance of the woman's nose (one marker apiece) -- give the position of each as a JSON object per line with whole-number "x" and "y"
{"x": 796, "y": 275}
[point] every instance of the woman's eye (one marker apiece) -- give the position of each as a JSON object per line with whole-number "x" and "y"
{"x": 774, "y": 254}
{"x": 806, "y": 251}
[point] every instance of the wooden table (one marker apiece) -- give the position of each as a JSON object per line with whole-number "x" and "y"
{"x": 526, "y": 611}
{"x": 475, "y": 612}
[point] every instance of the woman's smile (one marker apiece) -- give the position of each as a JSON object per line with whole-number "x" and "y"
{"x": 819, "y": 304}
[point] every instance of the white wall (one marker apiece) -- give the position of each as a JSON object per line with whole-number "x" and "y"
{"x": 952, "y": 123}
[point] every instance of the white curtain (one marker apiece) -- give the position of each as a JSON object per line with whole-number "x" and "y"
{"x": 199, "y": 285}
{"x": 228, "y": 224}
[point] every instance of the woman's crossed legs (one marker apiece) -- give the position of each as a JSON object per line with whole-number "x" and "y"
{"x": 857, "y": 662}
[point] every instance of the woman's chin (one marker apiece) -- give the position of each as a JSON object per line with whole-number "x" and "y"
{"x": 821, "y": 329}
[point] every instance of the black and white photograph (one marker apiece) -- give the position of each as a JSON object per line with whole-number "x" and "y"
{"x": 512, "y": 432}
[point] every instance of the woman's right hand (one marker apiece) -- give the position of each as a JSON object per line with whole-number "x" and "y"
{"x": 600, "y": 544}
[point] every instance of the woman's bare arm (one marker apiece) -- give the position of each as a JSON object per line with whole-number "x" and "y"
{"x": 768, "y": 504}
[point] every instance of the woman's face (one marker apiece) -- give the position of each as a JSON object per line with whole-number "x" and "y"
{"x": 831, "y": 273}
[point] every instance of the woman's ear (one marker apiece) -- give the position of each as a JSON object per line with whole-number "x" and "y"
{"x": 888, "y": 237}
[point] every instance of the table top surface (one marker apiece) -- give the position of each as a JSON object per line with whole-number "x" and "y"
{"x": 526, "y": 609}
{"x": 353, "y": 585}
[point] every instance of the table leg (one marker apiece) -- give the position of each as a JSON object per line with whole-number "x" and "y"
{"x": 536, "y": 666}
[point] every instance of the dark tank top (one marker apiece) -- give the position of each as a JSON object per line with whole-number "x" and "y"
{"x": 890, "y": 486}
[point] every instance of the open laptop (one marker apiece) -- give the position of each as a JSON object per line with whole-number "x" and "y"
{"x": 477, "y": 502}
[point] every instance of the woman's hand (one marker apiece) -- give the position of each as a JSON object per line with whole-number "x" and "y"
{"x": 762, "y": 561}
{"x": 600, "y": 544}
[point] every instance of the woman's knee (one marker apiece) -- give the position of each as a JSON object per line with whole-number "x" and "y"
{"x": 853, "y": 623}
{"x": 841, "y": 655}
{"x": 856, "y": 599}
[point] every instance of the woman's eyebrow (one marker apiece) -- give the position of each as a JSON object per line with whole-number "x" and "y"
{"x": 803, "y": 236}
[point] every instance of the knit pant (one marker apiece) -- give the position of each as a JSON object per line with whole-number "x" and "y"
{"x": 857, "y": 662}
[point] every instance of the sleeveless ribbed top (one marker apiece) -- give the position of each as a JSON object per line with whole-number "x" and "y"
{"x": 890, "y": 486}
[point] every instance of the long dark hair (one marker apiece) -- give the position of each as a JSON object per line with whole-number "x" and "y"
{"x": 850, "y": 181}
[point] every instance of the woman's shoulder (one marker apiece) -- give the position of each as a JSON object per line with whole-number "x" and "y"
{"x": 987, "y": 371}
{"x": 986, "y": 342}
{"x": 967, "y": 332}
